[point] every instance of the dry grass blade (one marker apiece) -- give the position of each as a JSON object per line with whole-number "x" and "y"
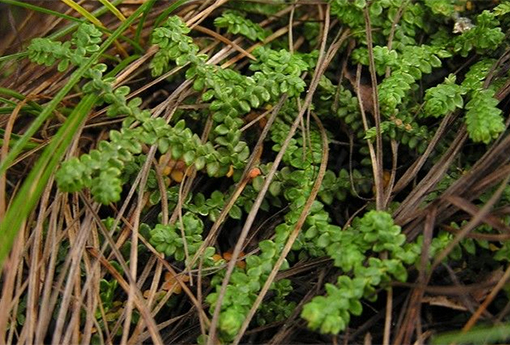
{"x": 490, "y": 298}
{"x": 258, "y": 201}
{"x": 472, "y": 209}
{"x": 240, "y": 186}
{"x": 407, "y": 210}
{"x": 137, "y": 300}
{"x": 477, "y": 219}
{"x": 76, "y": 254}
{"x": 207, "y": 139}
{"x": 293, "y": 235}
{"x": 224, "y": 40}
{"x": 412, "y": 312}
{"x": 133, "y": 258}
{"x": 377, "y": 159}
{"x": 413, "y": 170}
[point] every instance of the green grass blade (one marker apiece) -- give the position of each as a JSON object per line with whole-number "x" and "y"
{"x": 76, "y": 21}
{"x": 123, "y": 64}
{"x": 26, "y": 110}
{"x": 33, "y": 186}
{"x": 11, "y": 93}
{"x": 7, "y": 101}
{"x": 14, "y": 137}
{"x": 167, "y": 12}
{"x": 113, "y": 9}
{"x": 83, "y": 12}
{"x": 74, "y": 79}
{"x": 12, "y": 56}
{"x": 142, "y": 20}
{"x": 70, "y": 28}
{"x": 479, "y": 335}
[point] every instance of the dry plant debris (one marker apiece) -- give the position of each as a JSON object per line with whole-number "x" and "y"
{"x": 254, "y": 171}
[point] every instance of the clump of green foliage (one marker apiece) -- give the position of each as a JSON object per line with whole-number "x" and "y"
{"x": 236, "y": 23}
{"x": 411, "y": 42}
{"x": 375, "y": 232}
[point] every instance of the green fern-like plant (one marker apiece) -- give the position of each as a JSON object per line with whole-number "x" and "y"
{"x": 375, "y": 232}
{"x": 236, "y": 23}
{"x": 484, "y": 35}
{"x": 84, "y": 42}
{"x": 368, "y": 254}
{"x": 483, "y": 119}
{"x": 444, "y": 98}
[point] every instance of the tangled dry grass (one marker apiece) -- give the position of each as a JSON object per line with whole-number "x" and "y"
{"x": 51, "y": 280}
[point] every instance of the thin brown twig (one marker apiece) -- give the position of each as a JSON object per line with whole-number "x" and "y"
{"x": 133, "y": 257}
{"x": 472, "y": 223}
{"x": 258, "y": 201}
{"x": 483, "y": 307}
{"x": 224, "y": 40}
{"x": 377, "y": 163}
{"x": 414, "y": 305}
{"x": 130, "y": 285}
{"x": 75, "y": 255}
{"x": 294, "y": 234}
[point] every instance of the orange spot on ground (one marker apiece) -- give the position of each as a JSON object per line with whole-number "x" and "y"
{"x": 228, "y": 256}
{"x": 254, "y": 173}
{"x": 177, "y": 175}
{"x": 171, "y": 282}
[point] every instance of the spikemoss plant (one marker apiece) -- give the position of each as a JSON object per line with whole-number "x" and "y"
{"x": 411, "y": 42}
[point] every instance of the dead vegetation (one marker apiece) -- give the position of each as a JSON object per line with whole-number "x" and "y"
{"x": 55, "y": 277}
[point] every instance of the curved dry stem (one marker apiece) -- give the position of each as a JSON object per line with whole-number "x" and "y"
{"x": 295, "y": 232}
